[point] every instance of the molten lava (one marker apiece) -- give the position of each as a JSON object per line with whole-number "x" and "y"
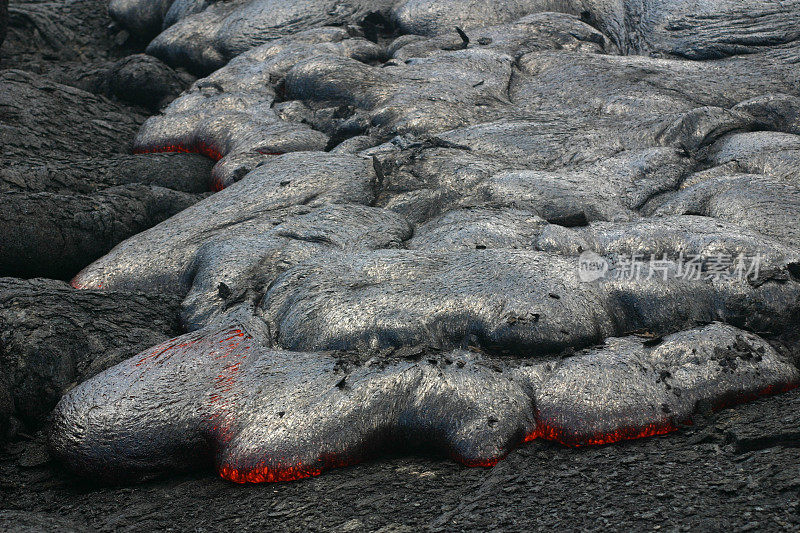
{"x": 198, "y": 147}
{"x": 544, "y": 430}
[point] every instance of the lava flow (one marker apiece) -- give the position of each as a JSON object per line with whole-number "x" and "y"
{"x": 544, "y": 431}
{"x": 222, "y": 416}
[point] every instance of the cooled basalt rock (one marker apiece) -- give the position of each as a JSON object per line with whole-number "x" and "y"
{"x": 771, "y": 153}
{"x": 704, "y": 29}
{"x": 229, "y": 271}
{"x": 539, "y": 31}
{"x": 646, "y": 89}
{"x": 780, "y": 112}
{"x": 144, "y": 80}
{"x": 610, "y": 190}
{"x": 568, "y": 144}
{"x": 481, "y": 228}
{"x": 180, "y": 172}
{"x": 230, "y": 274}
{"x": 76, "y": 190}
{"x": 32, "y": 521}
{"x": 231, "y": 115}
{"x": 229, "y": 126}
{"x": 259, "y": 69}
{"x": 143, "y": 18}
{"x": 239, "y": 98}
{"x": 770, "y": 206}
{"x": 691, "y": 29}
{"x": 687, "y": 236}
{"x": 203, "y": 36}
{"x": 512, "y": 83}
{"x": 6, "y": 409}
{"x": 423, "y": 206}
{"x": 429, "y": 17}
{"x": 224, "y": 397}
{"x": 673, "y": 237}
{"x": 637, "y": 104}
{"x": 52, "y": 337}
{"x": 631, "y": 387}
{"x": 71, "y": 231}
{"x": 88, "y": 125}
{"x": 3, "y": 20}
{"x": 398, "y": 97}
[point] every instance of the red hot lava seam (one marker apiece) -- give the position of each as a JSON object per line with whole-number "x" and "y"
{"x": 198, "y": 147}
{"x": 262, "y": 474}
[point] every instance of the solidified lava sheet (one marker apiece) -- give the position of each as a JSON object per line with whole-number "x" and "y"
{"x": 456, "y": 226}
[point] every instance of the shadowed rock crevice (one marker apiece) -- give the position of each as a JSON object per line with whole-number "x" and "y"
{"x": 71, "y": 191}
{"x": 3, "y": 20}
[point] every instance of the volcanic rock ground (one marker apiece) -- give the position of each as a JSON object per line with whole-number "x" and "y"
{"x": 72, "y": 101}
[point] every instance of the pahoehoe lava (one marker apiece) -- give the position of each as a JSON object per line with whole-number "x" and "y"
{"x": 266, "y": 414}
{"x": 392, "y": 254}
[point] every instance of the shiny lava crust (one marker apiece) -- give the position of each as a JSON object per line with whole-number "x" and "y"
{"x": 408, "y": 195}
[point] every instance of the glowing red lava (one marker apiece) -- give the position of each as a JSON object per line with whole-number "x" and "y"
{"x": 263, "y": 474}
{"x": 547, "y": 432}
{"x": 156, "y": 354}
{"x": 478, "y": 463}
{"x": 198, "y": 147}
{"x": 266, "y": 475}
{"x": 222, "y": 417}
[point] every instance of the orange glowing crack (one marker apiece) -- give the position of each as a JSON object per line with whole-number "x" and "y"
{"x": 198, "y": 147}
{"x": 222, "y": 418}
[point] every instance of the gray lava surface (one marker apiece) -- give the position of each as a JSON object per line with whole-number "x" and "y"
{"x": 319, "y": 233}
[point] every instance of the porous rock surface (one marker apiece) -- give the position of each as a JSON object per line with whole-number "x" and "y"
{"x": 52, "y": 337}
{"x": 67, "y": 164}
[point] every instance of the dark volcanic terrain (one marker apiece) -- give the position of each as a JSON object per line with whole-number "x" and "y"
{"x": 740, "y": 471}
{"x": 373, "y": 196}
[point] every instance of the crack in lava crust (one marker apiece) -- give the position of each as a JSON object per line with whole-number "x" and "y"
{"x": 198, "y": 147}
